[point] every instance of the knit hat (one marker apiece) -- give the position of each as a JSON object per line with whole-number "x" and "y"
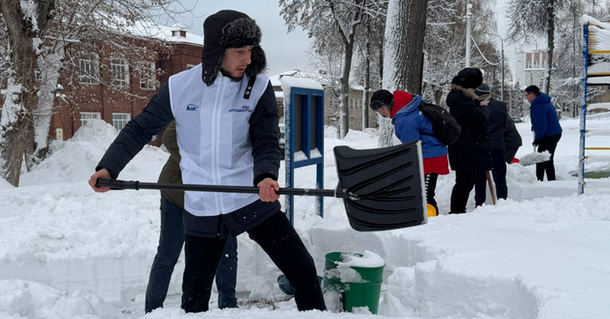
{"x": 468, "y": 78}
{"x": 381, "y": 98}
{"x": 482, "y": 89}
{"x": 230, "y": 29}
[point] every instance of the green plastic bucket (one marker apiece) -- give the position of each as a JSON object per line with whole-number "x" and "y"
{"x": 364, "y": 292}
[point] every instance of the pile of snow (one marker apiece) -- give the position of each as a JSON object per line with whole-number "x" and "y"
{"x": 534, "y": 158}
{"x": 67, "y": 252}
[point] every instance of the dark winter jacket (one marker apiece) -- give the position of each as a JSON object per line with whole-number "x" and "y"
{"x": 496, "y": 124}
{"x": 471, "y": 150}
{"x": 544, "y": 117}
{"x": 410, "y": 125}
{"x": 171, "y": 173}
{"x": 512, "y": 138}
{"x": 223, "y": 30}
{"x": 158, "y": 114}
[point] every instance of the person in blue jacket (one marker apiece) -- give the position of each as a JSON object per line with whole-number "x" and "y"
{"x": 546, "y": 127}
{"x": 410, "y": 125}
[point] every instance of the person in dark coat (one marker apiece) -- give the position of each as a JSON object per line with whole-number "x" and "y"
{"x": 227, "y": 131}
{"x": 512, "y": 139}
{"x": 546, "y": 127}
{"x": 495, "y": 130}
{"x": 410, "y": 124}
{"x": 470, "y": 153}
{"x": 171, "y": 238}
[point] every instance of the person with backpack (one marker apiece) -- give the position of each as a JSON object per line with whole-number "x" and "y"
{"x": 496, "y": 126}
{"x": 470, "y": 154}
{"x": 411, "y": 124}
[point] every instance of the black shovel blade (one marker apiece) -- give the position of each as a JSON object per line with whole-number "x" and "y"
{"x": 386, "y": 184}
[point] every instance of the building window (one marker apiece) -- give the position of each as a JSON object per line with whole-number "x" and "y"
{"x": 59, "y": 134}
{"x": 119, "y": 120}
{"x": 88, "y": 66}
{"x": 86, "y": 116}
{"x": 148, "y": 78}
{"x": 190, "y": 66}
{"x": 120, "y": 72}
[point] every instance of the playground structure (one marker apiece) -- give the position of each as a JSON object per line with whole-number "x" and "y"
{"x": 596, "y": 58}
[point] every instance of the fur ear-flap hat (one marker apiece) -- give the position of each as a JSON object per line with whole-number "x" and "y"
{"x": 468, "y": 78}
{"x": 230, "y": 29}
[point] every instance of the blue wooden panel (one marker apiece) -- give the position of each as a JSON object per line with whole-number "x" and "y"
{"x": 304, "y": 123}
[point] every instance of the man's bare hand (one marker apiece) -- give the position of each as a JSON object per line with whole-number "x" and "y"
{"x": 268, "y": 189}
{"x": 102, "y": 173}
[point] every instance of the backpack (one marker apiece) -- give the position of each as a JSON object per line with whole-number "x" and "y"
{"x": 444, "y": 126}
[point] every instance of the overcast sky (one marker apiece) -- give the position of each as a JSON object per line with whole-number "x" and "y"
{"x": 285, "y": 51}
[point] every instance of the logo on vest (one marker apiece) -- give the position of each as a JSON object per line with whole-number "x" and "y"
{"x": 192, "y": 107}
{"x": 243, "y": 109}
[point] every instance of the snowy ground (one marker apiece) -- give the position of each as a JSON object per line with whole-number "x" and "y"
{"x": 67, "y": 252}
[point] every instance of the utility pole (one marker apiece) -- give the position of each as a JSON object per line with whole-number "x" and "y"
{"x": 468, "y": 27}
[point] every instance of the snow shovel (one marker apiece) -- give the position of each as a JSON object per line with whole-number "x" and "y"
{"x": 382, "y": 188}
{"x": 534, "y": 157}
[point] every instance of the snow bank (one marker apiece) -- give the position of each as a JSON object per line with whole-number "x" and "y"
{"x": 68, "y": 252}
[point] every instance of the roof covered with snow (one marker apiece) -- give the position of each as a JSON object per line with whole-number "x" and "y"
{"x": 165, "y": 33}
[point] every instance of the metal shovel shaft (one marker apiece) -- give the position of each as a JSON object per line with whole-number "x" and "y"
{"x": 137, "y": 185}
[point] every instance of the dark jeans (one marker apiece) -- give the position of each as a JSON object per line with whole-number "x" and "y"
{"x": 171, "y": 238}
{"x": 281, "y": 243}
{"x": 498, "y": 159}
{"x": 431, "y": 180}
{"x": 548, "y": 143}
{"x": 464, "y": 182}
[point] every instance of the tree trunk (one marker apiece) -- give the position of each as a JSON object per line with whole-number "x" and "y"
{"x": 367, "y": 81}
{"x": 16, "y": 129}
{"x": 404, "y": 45}
{"x": 345, "y": 88}
{"x": 546, "y": 84}
{"x": 50, "y": 68}
{"x": 380, "y": 62}
{"x": 403, "y": 48}
{"x": 348, "y": 42}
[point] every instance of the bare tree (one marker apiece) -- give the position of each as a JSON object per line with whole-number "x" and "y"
{"x": 445, "y": 41}
{"x": 44, "y": 37}
{"x": 530, "y": 19}
{"x": 329, "y": 22}
{"x": 369, "y": 41}
{"x": 567, "y": 87}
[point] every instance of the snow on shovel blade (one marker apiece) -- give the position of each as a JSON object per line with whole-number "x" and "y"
{"x": 535, "y": 158}
{"x": 381, "y": 188}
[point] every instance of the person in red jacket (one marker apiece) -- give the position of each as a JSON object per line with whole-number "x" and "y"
{"x": 410, "y": 124}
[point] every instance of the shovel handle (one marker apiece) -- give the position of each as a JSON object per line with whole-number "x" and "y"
{"x": 491, "y": 187}
{"x": 137, "y": 185}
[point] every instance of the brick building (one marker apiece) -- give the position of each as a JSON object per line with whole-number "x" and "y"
{"x": 127, "y": 85}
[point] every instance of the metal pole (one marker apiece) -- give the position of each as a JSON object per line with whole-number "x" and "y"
{"x": 583, "y": 113}
{"x": 468, "y": 26}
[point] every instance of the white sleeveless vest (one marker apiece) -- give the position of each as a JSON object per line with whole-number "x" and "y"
{"x": 212, "y": 126}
